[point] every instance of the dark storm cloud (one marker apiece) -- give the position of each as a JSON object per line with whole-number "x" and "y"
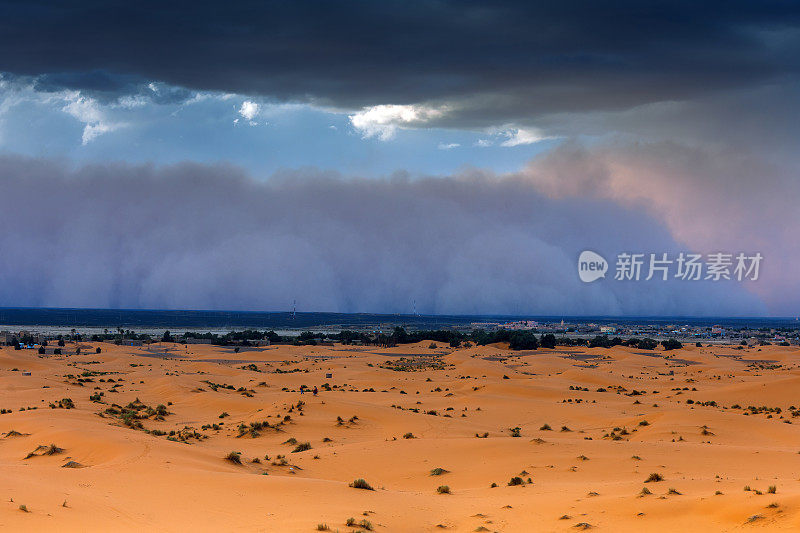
{"x": 500, "y": 59}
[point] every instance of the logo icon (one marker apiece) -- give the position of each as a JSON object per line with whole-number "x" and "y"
{"x": 591, "y": 266}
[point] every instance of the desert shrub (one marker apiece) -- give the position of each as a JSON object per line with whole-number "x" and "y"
{"x": 66, "y": 403}
{"x": 443, "y": 489}
{"x": 234, "y": 457}
{"x": 654, "y": 477}
{"x": 303, "y": 446}
{"x": 52, "y": 450}
{"x": 361, "y": 483}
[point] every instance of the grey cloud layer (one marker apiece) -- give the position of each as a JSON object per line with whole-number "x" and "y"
{"x": 193, "y": 236}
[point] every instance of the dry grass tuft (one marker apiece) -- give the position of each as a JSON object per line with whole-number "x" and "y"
{"x": 361, "y": 483}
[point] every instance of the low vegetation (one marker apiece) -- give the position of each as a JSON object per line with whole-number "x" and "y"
{"x": 361, "y": 483}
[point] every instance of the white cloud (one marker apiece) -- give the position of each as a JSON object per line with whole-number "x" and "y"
{"x": 521, "y": 136}
{"x": 382, "y": 121}
{"x": 132, "y": 101}
{"x": 249, "y": 111}
{"x": 448, "y": 146}
{"x": 92, "y": 131}
{"x": 88, "y": 111}
{"x": 483, "y": 143}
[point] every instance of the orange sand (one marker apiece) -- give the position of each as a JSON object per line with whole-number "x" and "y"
{"x": 132, "y": 480}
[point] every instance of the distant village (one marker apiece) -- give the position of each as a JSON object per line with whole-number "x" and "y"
{"x": 712, "y": 334}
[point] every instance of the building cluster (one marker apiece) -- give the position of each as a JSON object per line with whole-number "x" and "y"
{"x": 684, "y": 332}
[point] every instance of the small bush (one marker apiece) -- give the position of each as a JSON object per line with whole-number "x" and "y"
{"x": 361, "y": 483}
{"x": 66, "y": 403}
{"x": 772, "y": 489}
{"x": 516, "y": 480}
{"x": 303, "y": 446}
{"x": 234, "y": 457}
{"x": 654, "y": 477}
{"x": 443, "y": 489}
{"x": 439, "y": 471}
{"x": 53, "y": 450}
{"x": 546, "y": 427}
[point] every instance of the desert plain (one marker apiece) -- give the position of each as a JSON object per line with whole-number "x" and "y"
{"x": 173, "y": 437}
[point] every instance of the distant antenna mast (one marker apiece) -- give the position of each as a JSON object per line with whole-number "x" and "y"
{"x": 415, "y": 308}
{"x": 294, "y": 308}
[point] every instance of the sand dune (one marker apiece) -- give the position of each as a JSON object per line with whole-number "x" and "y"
{"x": 391, "y": 417}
